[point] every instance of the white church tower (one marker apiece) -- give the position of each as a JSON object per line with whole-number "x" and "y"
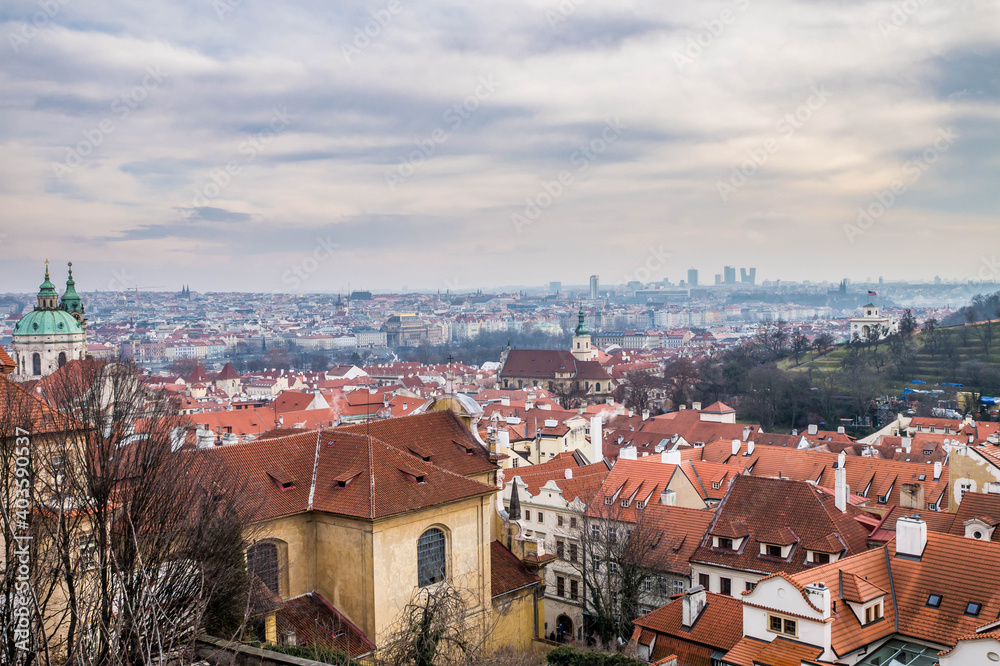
{"x": 53, "y": 334}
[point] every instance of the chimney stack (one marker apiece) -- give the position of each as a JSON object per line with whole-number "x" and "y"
{"x": 694, "y": 604}
{"x": 751, "y": 445}
{"x": 569, "y": 473}
{"x": 696, "y": 406}
{"x": 840, "y": 430}
{"x": 813, "y": 429}
{"x": 819, "y": 595}
{"x": 671, "y": 457}
{"x": 668, "y": 497}
{"x": 937, "y": 470}
{"x": 911, "y": 536}
{"x": 628, "y": 453}
{"x": 841, "y": 491}
{"x": 503, "y": 440}
{"x": 736, "y": 447}
{"x": 596, "y": 439}
{"x": 746, "y": 433}
{"x": 645, "y": 415}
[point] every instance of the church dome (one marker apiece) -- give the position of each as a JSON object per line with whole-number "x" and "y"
{"x": 47, "y": 322}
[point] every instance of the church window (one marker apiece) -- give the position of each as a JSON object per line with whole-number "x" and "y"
{"x": 36, "y": 364}
{"x": 598, "y": 387}
{"x": 431, "y": 557}
{"x": 62, "y": 359}
{"x": 262, "y": 561}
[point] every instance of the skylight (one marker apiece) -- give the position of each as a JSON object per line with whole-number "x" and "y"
{"x": 934, "y": 600}
{"x": 973, "y": 608}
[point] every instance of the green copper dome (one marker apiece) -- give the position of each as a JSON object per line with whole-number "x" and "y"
{"x": 47, "y": 322}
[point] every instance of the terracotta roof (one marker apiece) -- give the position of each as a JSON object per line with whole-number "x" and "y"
{"x": 719, "y": 408}
{"x": 228, "y": 372}
{"x": 678, "y": 533}
{"x": 292, "y": 401}
{"x": 784, "y": 652}
{"x": 719, "y": 626}
{"x": 545, "y": 363}
{"x": 983, "y": 506}
{"x": 316, "y": 622}
{"x": 341, "y": 473}
{"x": 507, "y": 573}
{"x": 197, "y": 375}
{"x": 793, "y": 512}
{"x": 19, "y": 408}
{"x": 6, "y": 360}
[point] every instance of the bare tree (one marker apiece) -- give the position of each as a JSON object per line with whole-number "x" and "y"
{"x": 144, "y": 535}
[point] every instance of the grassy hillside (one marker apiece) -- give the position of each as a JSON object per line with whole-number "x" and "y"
{"x": 938, "y": 357}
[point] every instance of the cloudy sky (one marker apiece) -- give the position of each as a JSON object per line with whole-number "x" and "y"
{"x": 305, "y": 146}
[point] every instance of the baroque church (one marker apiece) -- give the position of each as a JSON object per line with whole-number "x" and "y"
{"x": 53, "y": 334}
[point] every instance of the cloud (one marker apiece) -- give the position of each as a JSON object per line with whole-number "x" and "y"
{"x": 190, "y": 172}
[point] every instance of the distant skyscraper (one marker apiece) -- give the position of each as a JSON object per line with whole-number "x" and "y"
{"x": 718, "y": 278}
{"x": 729, "y": 274}
{"x": 555, "y": 287}
{"x": 748, "y": 276}
{"x": 692, "y": 277}
{"x": 595, "y": 286}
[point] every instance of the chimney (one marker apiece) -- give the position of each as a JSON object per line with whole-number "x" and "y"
{"x": 736, "y": 447}
{"x": 840, "y": 430}
{"x": 746, "y": 433}
{"x": 795, "y": 432}
{"x": 628, "y": 453}
{"x": 841, "y": 491}
{"x": 819, "y": 595}
{"x": 937, "y": 470}
{"x": 670, "y": 457}
{"x": 596, "y": 440}
{"x": 668, "y": 497}
{"x": 503, "y": 440}
{"x": 682, "y": 407}
{"x": 645, "y": 415}
{"x": 696, "y": 406}
{"x": 750, "y": 447}
{"x": 694, "y": 604}
{"x": 569, "y": 473}
{"x": 911, "y": 536}
{"x": 907, "y": 442}
{"x": 813, "y": 429}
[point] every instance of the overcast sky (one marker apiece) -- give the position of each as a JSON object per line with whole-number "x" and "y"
{"x": 305, "y": 146}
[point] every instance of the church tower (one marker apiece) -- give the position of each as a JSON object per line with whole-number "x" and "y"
{"x": 581, "y": 341}
{"x": 51, "y": 335}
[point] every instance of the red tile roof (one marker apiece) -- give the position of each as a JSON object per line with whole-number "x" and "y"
{"x": 5, "y": 359}
{"x": 791, "y": 512}
{"x": 507, "y": 573}
{"x": 719, "y": 626}
{"x": 545, "y": 363}
{"x": 316, "y": 622}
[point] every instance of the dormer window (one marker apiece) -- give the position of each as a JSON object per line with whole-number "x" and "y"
{"x": 873, "y": 612}
{"x": 640, "y": 505}
{"x": 772, "y": 550}
{"x": 725, "y": 543}
{"x": 625, "y": 503}
{"x": 608, "y": 501}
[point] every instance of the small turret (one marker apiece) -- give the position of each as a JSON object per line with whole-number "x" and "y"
{"x": 48, "y": 298}
{"x": 71, "y": 301}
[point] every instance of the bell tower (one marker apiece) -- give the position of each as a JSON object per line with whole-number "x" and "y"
{"x": 581, "y": 349}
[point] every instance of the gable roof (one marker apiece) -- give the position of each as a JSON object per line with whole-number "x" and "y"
{"x": 228, "y": 372}
{"x": 5, "y": 360}
{"x": 779, "y": 512}
{"x": 546, "y": 363}
{"x": 719, "y": 626}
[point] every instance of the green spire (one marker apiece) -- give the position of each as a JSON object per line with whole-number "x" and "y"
{"x": 581, "y": 329}
{"x": 70, "y": 299}
{"x": 47, "y": 288}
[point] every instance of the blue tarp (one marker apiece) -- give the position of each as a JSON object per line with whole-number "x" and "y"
{"x": 918, "y": 381}
{"x": 989, "y": 401}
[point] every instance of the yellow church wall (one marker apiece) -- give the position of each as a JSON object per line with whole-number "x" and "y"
{"x": 394, "y": 545}
{"x": 513, "y": 622}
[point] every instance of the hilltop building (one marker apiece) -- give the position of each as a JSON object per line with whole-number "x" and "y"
{"x": 862, "y": 327}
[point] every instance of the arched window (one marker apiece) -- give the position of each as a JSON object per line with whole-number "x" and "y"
{"x": 598, "y": 387}
{"x": 262, "y": 561}
{"x": 431, "y": 555}
{"x": 36, "y": 364}
{"x": 62, "y": 359}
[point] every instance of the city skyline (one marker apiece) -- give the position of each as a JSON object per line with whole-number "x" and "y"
{"x": 447, "y": 147}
